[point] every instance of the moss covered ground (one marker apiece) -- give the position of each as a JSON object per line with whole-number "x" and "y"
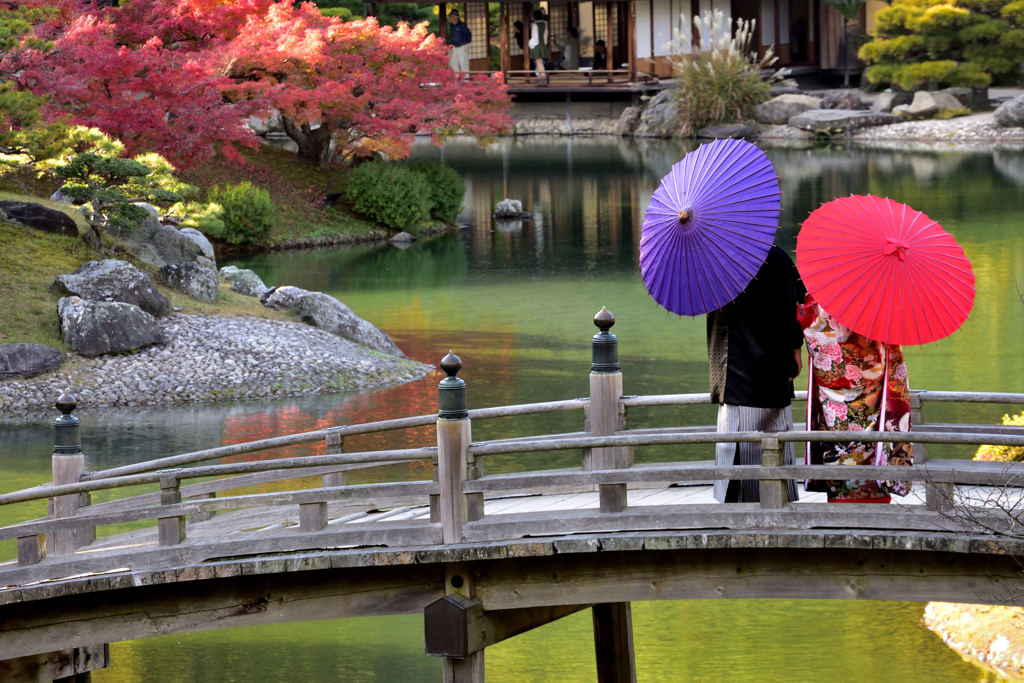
{"x": 297, "y": 190}
{"x": 30, "y": 261}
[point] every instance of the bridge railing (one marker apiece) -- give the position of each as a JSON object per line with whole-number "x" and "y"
{"x": 457, "y": 489}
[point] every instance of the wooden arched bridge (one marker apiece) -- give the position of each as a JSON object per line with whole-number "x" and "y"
{"x": 484, "y": 558}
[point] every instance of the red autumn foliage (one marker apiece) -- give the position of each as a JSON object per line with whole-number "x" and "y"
{"x": 369, "y": 87}
{"x": 184, "y": 24}
{"x": 151, "y": 98}
{"x": 177, "y": 77}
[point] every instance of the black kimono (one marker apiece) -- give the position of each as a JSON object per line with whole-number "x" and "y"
{"x": 751, "y": 365}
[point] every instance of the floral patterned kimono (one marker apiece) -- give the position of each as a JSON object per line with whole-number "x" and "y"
{"x": 854, "y": 384}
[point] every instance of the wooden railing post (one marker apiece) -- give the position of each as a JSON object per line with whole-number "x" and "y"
{"x": 605, "y": 416}
{"x": 774, "y": 492}
{"x": 937, "y": 496}
{"x": 335, "y": 446}
{"x": 453, "y": 462}
{"x": 171, "y": 530}
{"x": 68, "y": 468}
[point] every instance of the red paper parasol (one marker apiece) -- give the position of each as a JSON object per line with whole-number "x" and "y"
{"x": 884, "y": 270}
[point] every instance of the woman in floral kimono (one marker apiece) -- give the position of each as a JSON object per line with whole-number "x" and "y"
{"x": 855, "y": 384}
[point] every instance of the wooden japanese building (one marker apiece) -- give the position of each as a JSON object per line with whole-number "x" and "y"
{"x": 807, "y": 35}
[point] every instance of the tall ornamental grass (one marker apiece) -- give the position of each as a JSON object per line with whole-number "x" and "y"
{"x": 722, "y": 82}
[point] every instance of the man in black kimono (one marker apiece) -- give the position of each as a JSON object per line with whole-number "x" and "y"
{"x": 754, "y": 346}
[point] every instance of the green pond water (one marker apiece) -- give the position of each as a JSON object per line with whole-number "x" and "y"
{"x": 516, "y": 302}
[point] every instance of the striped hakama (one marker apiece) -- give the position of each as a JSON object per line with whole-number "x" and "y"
{"x": 747, "y": 419}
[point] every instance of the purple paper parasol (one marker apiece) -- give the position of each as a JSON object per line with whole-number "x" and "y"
{"x": 709, "y": 227}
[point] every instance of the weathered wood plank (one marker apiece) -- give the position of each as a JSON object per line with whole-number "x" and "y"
{"x": 453, "y": 439}
{"x": 613, "y": 642}
{"x": 31, "y": 549}
{"x": 51, "y": 666}
{"x": 67, "y": 469}
{"x": 788, "y": 573}
{"x": 735, "y": 437}
{"x": 405, "y": 533}
{"x": 953, "y": 471}
{"x": 181, "y": 607}
{"x": 732, "y": 516}
{"x": 361, "y": 492}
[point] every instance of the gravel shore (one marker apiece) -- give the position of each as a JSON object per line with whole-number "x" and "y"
{"x": 976, "y": 129}
{"x": 213, "y": 358}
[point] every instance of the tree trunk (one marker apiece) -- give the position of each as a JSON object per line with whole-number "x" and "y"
{"x": 314, "y": 143}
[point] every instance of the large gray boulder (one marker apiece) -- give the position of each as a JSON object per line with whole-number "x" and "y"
{"x": 243, "y": 281}
{"x": 159, "y": 245}
{"x": 200, "y": 239}
{"x": 658, "y": 120}
{"x": 628, "y": 121}
{"x": 779, "y": 110}
{"x": 1011, "y": 114}
{"x": 93, "y": 328}
{"x": 735, "y": 131}
{"x": 838, "y": 121}
{"x": 885, "y": 101}
{"x": 39, "y": 217}
{"x": 193, "y": 279}
{"x": 283, "y": 298}
{"x": 28, "y": 360}
{"x": 113, "y": 280}
{"x": 927, "y": 104}
{"x": 330, "y": 315}
{"x": 843, "y": 99}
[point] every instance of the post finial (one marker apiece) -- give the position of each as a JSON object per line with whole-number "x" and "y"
{"x": 67, "y": 435}
{"x": 604, "y": 320}
{"x": 452, "y": 390}
{"x": 66, "y": 403}
{"x": 605, "y": 344}
{"x": 451, "y": 364}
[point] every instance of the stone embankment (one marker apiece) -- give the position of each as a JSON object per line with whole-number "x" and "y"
{"x": 213, "y": 358}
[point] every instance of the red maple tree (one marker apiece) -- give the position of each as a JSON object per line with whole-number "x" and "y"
{"x": 366, "y": 87}
{"x": 178, "y": 77}
{"x": 151, "y": 98}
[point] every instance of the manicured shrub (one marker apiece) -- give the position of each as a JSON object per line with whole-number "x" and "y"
{"x": 391, "y": 194}
{"x": 936, "y": 43}
{"x": 446, "y": 189}
{"x": 246, "y": 211}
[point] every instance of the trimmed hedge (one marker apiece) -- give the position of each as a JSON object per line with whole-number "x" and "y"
{"x": 403, "y": 196}
{"x": 246, "y": 211}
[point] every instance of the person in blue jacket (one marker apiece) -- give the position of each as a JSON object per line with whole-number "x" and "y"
{"x": 460, "y": 37}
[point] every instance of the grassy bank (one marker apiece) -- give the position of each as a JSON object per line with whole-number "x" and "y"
{"x": 297, "y": 190}
{"x": 30, "y": 261}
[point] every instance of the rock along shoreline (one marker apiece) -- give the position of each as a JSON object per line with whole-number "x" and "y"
{"x": 215, "y": 358}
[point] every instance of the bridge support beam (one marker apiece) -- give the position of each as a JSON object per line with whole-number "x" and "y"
{"x": 63, "y": 666}
{"x": 613, "y": 642}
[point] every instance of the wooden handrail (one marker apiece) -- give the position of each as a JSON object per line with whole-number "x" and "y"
{"x": 41, "y": 492}
{"x": 509, "y": 447}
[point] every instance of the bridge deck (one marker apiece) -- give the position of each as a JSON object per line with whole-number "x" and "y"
{"x": 262, "y": 521}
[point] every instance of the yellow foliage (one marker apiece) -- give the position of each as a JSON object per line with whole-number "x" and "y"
{"x": 1004, "y": 453}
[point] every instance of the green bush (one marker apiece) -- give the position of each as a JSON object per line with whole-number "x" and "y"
{"x": 935, "y": 43}
{"x": 391, "y": 194}
{"x": 247, "y": 213}
{"x": 446, "y": 189}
